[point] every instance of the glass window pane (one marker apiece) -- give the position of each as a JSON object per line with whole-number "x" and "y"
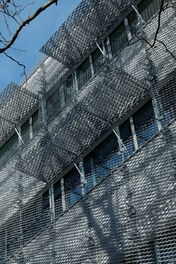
{"x": 25, "y": 131}
{"x": 98, "y": 59}
{"x": 127, "y": 139}
{"x": 8, "y": 150}
{"x": 36, "y": 123}
{"x": 99, "y": 163}
{"x": 53, "y": 105}
{"x": 83, "y": 73}
{"x": 57, "y": 190}
{"x": 133, "y": 21}
{"x": 148, "y": 8}
{"x": 72, "y": 187}
{"x": 57, "y": 198}
{"x": 45, "y": 200}
{"x": 118, "y": 38}
{"x": 69, "y": 89}
{"x": 145, "y": 123}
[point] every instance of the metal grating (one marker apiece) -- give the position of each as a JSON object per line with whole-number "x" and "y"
{"x": 15, "y": 104}
{"x": 74, "y": 137}
{"x": 95, "y": 184}
{"x": 88, "y": 23}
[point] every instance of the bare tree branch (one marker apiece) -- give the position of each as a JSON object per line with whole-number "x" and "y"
{"x": 26, "y": 22}
{"x": 161, "y": 42}
{"x": 159, "y": 23}
{"x": 155, "y": 39}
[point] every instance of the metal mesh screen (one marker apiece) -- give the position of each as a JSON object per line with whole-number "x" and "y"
{"x": 79, "y": 33}
{"x": 88, "y": 154}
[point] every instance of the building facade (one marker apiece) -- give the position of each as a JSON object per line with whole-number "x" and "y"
{"x": 88, "y": 142}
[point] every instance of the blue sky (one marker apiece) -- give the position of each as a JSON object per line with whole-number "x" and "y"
{"x": 32, "y": 38}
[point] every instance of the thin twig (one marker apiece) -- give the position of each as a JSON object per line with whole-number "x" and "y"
{"x": 159, "y": 24}
{"x": 26, "y": 22}
{"x": 160, "y": 41}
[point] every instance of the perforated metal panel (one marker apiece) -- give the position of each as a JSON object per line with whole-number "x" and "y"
{"x": 87, "y": 172}
{"x": 87, "y": 24}
{"x": 15, "y": 104}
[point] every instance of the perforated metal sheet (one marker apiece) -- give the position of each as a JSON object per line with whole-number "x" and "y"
{"x": 15, "y": 104}
{"x": 124, "y": 210}
{"x": 87, "y": 24}
{"x": 99, "y": 110}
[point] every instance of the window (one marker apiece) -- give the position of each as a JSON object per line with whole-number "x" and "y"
{"x": 53, "y": 105}
{"x": 118, "y": 38}
{"x": 69, "y": 89}
{"x": 83, "y": 73}
{"x": 148, "y": 8}
{"x": 145, "y": 123}
{"x": 72, "y": 186}
{"x": 99, "y": 163}
{"x": 8, "y": 150}
{"x": 45, "y": 200}
{"x": 127, "y": 139}
{"x": 36, "y": 124}
{"x": 57, "y": 198}
{"x": 98, "y": 59}
{"x": 133, "y": 22}
{"x": 25, "y": 131}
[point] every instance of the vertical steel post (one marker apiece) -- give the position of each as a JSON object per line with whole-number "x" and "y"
{"x": 51, "y": 202}
{"x": 63, "y": 195}
{"x": 91, "y": 65}
{"x": 109, "y": 49}
{"x": 30, "y": 128}
{"x": 134, "y": 133}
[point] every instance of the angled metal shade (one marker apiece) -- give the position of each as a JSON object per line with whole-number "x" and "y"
{"x": 44, "y": 160}
{"x": 88, "y": 23}
{"x": 90, "y": 118}
{"x": 15, "y": 104}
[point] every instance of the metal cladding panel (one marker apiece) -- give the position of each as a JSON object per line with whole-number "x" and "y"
{"x": 15, "y": 104}
{"x": 119, "y": 220}
{"x": 91, "y": 117}
{"x": 88, "y": 23}
{"x": 115, "y": 201}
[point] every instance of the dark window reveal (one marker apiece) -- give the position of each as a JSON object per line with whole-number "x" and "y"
{"x": 8, "y": 150}
{"x": 127, "y": 139}
{"x": 72, "y": 187}
{"x": 118, "y": 38}
{"x": 83, "y": 73}
{"x": 53, "y": 105}
{"x": 133, "y": 22}
{"x": 98, "y": 59}
{"x": 148, "y": 8}
{"x": 25, "y": 131}
{"x": 145, "y": 123}
{"x": 57, "y": 198}
{"x": 45, "y": 200}
{"x": 69, "y": 89}
{"x": 99, "y": 163}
